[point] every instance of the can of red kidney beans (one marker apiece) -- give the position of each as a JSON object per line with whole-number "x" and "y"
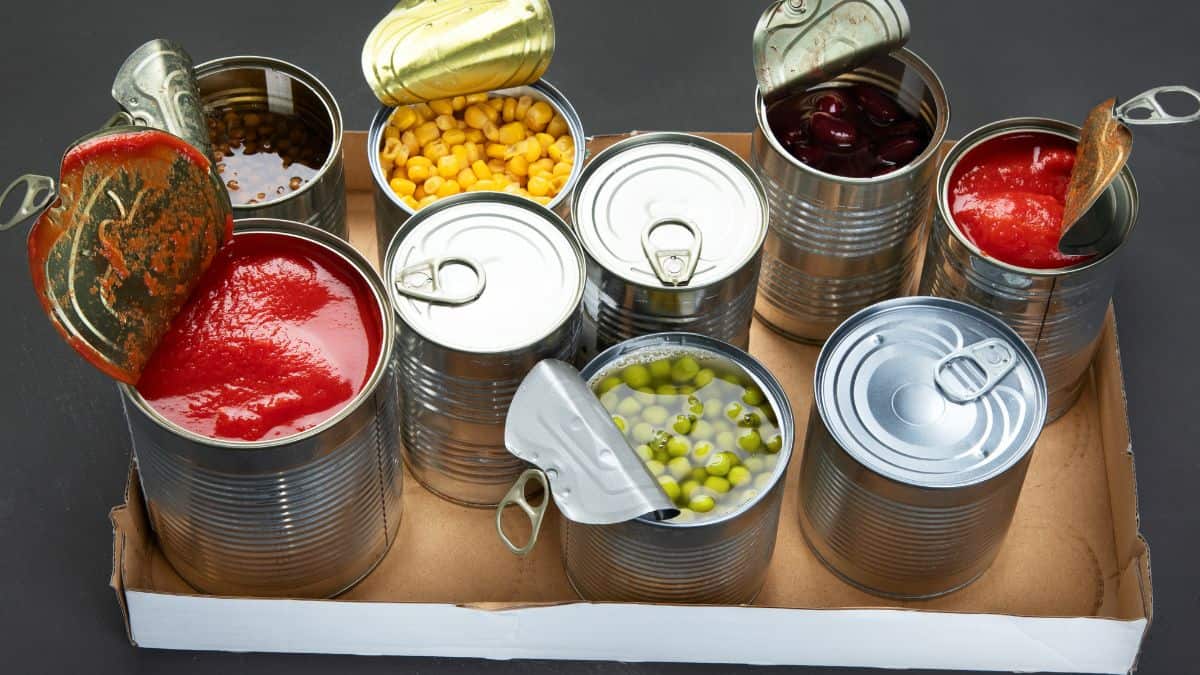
{"x": 306, "y": 515}
{"x": 836, "y": 244}
{"x": 1058, "y": 312}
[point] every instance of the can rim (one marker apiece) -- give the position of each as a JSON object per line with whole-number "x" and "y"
{"x": 355, "y": 261}
{"x": 297, "y": 74}
{"x": 941, "y": 126}
{"x": 1013, "y": 125}
{"x": 760, "y": 374}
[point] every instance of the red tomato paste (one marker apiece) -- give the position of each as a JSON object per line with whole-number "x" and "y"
{"x": 1007, "y": 195}
{"x": 278, "y": 336}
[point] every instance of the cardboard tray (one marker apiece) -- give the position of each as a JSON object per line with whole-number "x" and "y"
{"x": 1069, "y": 591}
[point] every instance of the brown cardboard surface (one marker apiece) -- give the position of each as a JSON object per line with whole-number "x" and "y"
{"x": 1073, "y": 549}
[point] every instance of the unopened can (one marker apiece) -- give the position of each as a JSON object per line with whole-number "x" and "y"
{"x": 484, "y": 285}
{"x": 307, "y": 515}
{"x": 1058, "y": 312}
{"x": 836, "y": 244}
{"x": 673, "y": 226}
{"x": 720, "y": 560}
{"x": 924, "y": 414}
{"x": 249, "y": 83}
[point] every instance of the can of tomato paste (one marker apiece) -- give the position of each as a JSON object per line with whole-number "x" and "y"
{"x": 276, "y": 132}
{"x": 1058, "y": 312}
{"x": 484, "y": 285}
{"x": 306, "y": 514}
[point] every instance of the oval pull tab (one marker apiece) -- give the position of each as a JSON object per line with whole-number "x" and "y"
{"x": 966, "y": 374}
{"x": 39, "y": 192}
{"x": 516, "y": 497}
{"x": 423, "y": 281}
{"x": 675, "y": 266}
{"x": 1147, "y": 102}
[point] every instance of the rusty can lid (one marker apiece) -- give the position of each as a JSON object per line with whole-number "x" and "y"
{"x": 799, "y": 43}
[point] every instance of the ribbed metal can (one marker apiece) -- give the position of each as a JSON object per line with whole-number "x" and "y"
{"x": 719, "y": 560}
{"x": 925, "y": 411}
{"x": 673, "y": 226}
{"x": 1058, "y": 312}
{"x": 836, "y": 244}
{"x": 261, "y": 83}
{"x": 484, "y": 285}
{"x": 306, "y": 515}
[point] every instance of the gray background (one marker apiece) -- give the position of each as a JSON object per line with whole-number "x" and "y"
{"x": 629, "y": 64}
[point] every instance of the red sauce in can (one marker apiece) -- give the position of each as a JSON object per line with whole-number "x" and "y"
{"x": 1007, "y": 194}
{"x": 279, "y": 336}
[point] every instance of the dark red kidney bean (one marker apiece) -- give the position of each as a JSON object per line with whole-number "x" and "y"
{"x": 879, "y": 105}
{"x": 832, "y": 103}
{"x": 908, "y": 127}
{"x": 808, "y": 154}
{"x": 833, "y": 132}
{"x": 899, "y": 150}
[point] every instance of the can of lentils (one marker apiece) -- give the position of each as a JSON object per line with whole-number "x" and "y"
{"x": 484, "y": 286}
{"x": 276, "y": 132}
{"x": 302, "y": 515}
{"x": 1059, "y": 312}
{"x": 924, "y": 414}
{"x": 717, "y": 551}
{"x": 673, "y": 226}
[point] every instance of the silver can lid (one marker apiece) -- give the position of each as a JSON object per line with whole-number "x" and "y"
{"x": 930, "y": 392}
{"x": 484, "y": 272}
{"x": 669, "y": 210}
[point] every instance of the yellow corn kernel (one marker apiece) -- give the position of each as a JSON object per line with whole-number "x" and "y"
{"x": 391, "y": 131}
{"x": 435, "y": 151}
{"x": 557, "y": 126}
{"x": 518, "y": 166}
{"x": 523, "y": 105}
{"x": 424, "y": 112}
{"x": 458, "y": 102}
{"x": 542, "y": 200}
{"x": 460, "y": 154}
{"x": 418, "y": 160}
{"x": 538, "y": 116}
{"x": 444, "y": 122}
{"x": 432, "y": 184}
{"x": 419, "y": 193}
{"x": 557, "y": 183}
{"x": 481, "y": 169}
{"x": 496, "y": 166}
{"x": 459, "y": 124}
{"x": 466, "y": 178}
{"x": 409, "y": 139}
{"x": 531, "y": 149}
{"x": 474, "y": 135}
{"x": 543, "y": 165}
{"x": 562, "y": 169}
{"x": 448, "y": 166}
{"x": 509, "y": 112}
{"x": 512, "y": 188}
{"x": 391, "y": 147}
{"x": 475, "y": 117}
{"x": 450, "y": 187}
{"x": 510, "y": 177}
{"x": 419, "y": 173}
{"x": 544, "y": 139}
{"x": 496, "y": 103}
{"x": 427, "y": 133}
{"x": 442, "y": 106}
{"x": 477, "y": 98}
{"x": 511, "y": 133}
{"x": 491, "y": 132}
{"x": 482, "y": 185}
{"x": 453, "y": 137}
{"x": 404, "y": 118}
{"x": 539, "y": 186}
{"x": 398, "y": 171}
{"x": 562, "y": 150}
{"x": 496, "y": 150}
{"x": 409, "y": 201}
{"x": 472, "y": 152}
{"x": 402, "y": 186}
{"x": 426, "y": 201}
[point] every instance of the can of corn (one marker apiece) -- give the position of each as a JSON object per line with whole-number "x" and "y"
{"x": 278, "y": 140}
{"x": 673, "y": 227}
{"x": 925, "y": 411}
{"x": 1058, "y": 312}
{"x": 306, "y": 515}
{"x": 483, "y": 286}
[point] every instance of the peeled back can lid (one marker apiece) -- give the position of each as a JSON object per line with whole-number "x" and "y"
{"x": 484, "y": 272}
{"x": 669, "y": 210}
{"x": 930, "y": 392}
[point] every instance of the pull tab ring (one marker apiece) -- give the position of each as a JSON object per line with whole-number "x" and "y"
{"x": 1147, "y": 101}
{"x": 993, "y": 357}
{"x": 423, "y": 281}
{"x": 673, "y": 267}
{"x": 39, "y": 192}
{"x": 516, "y": 497}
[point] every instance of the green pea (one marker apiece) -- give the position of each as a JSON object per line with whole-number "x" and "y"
{"x": 750, "y": 420}
{"x": 655, "y": 415}
{"x": 699, "y": 474}
{"x": 686, "y": 389}
{"x": 763, "y": 480}
{"x": 666, "y": 390}
{"x": 720, "y": 463}
{"x": 636, "y": 375}
{"x": 749, "y": 440}
{"x": 725, "y": 441}
{"x": 714, "y": 408}
{"x": 694, "y": 406}
{"x": 620, "y": 422}
{"x": 644, "y": 452}
{"x": 688, "y": 489}
{"x": 685, "y": 516}
{"x": 702, "y": 430}
{"x": 608, "y": 384}
{"x": 662, "y": 456}
{"x": 682, "y": 424}
{"x": 775, "y": 443}
{"x": 642, "y": 433}
{"x": 731, "y": 379}
{"x": 656, "y": 467}
{"x": 660, "y": 440}
{"x": 678, "y": 446}
{"x": 754, "y": 464}
{"x": 660, "y": 369}
{"x": 717, "y": 484}
{"x": 703, "y": 377}
{"x": 646, "y": 395}
{"x": 610, "y": 401}
{"x": 669, "y": 486}
{"x": 701, "y": 451}
{"x": 679, "y": 467}
{"x": 684, "y": 369}
{"x": 753, "y": 396}
{"x": 739, "y": 475}
{"x": 701, "y": 503}
{"x": 733, "y": 411}
{"x": 629, "y": 407}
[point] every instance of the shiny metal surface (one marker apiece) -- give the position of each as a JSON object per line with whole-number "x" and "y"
{"x": 718, "y": 561}
{"x": 258, "y": 82}
{"x": 1058, "y": 313}
{"x": 673, "y": 225}
{"x": 303, "y": 516}
{"x": 459, "y": 364}
{"x": 156, "y": 87}
{"x": 837, "y": 245}
{"x": 904, "y": 491}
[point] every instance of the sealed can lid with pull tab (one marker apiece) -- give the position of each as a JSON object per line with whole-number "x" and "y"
{"x": 669, "y": 210}
{"x": 930, "y": 392}
{"x": 484, "y": 272}
{"x": 800, "y": 43}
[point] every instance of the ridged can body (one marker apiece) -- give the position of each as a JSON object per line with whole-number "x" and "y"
{"x": 265, "y": 83}
{"x": 720, "y": 561}
{"x": 304, "y": 516}
{"x": 837, "y": 245}
{"x": 1058, "y": 312}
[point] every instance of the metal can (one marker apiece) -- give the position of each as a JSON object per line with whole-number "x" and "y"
{"x": 391, "y": 213}
{"x": 1058, "y": 312}
{"x": 836, "y": 244}
{"x": 924, "y": 414}
{"x": 484, "y": 285}
{"x": 307, "y": 515}
{"x": 261, "y": 83}
{"x": 715, "y": 561}
{"x": 673, "y": 227}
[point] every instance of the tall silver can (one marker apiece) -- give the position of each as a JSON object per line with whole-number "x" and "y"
{"x": 307, "y": 515}
{"x": 1058, "y": 312}
{"x": 673, "y": 226}
{"x": 258, "y": 83}
{"x": 925, "y": 411}
{"x": 484, "y": 285}
{"x": 720, "y": 560}
{"x": 836, "y": 244}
